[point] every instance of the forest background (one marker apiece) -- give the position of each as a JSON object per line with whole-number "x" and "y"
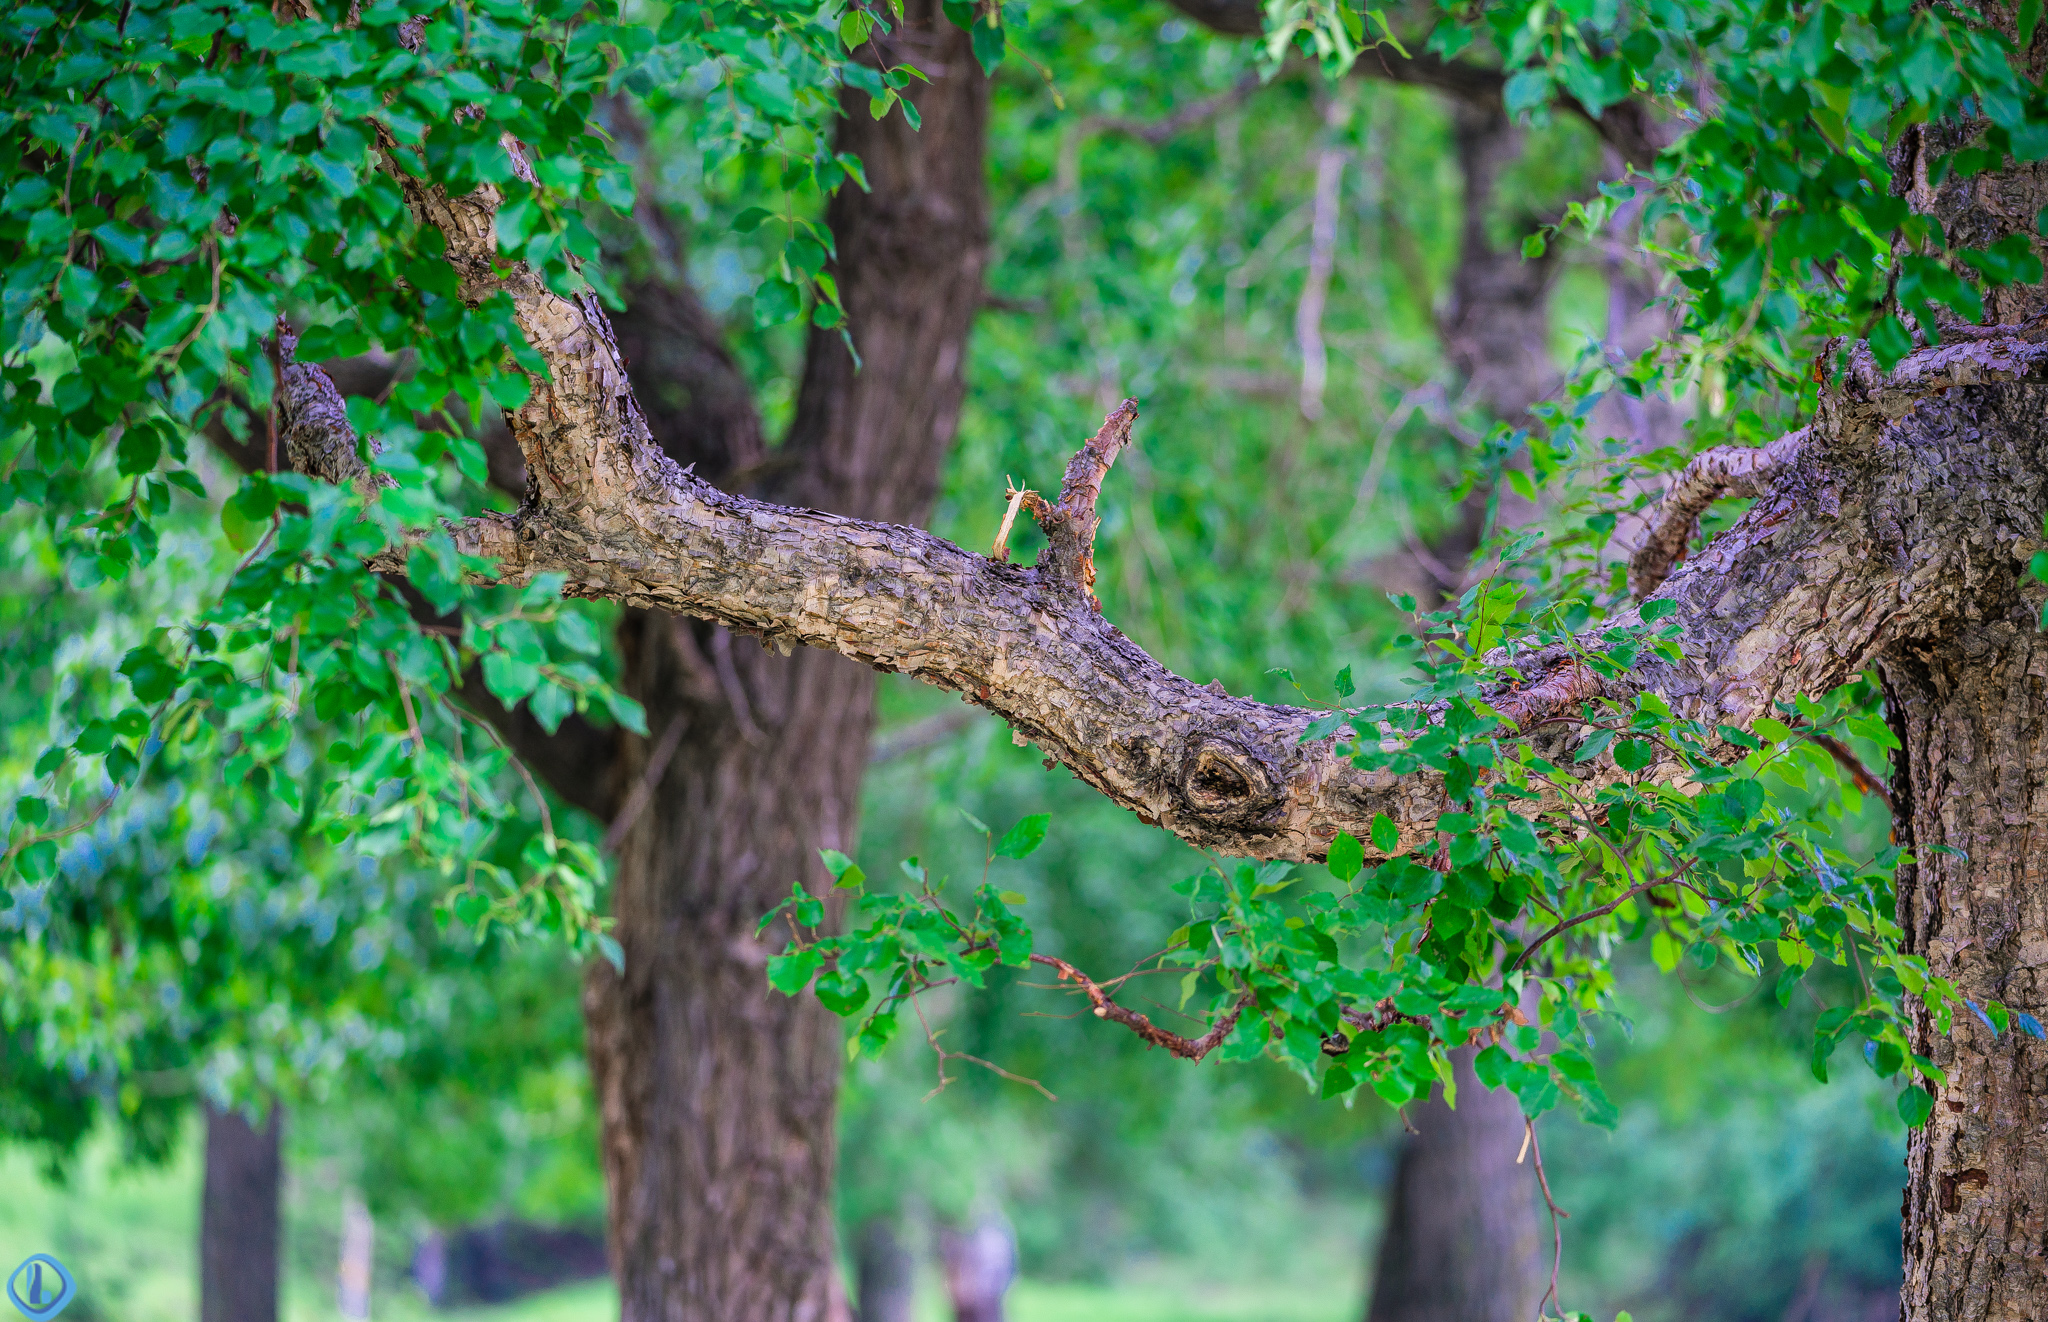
{"x": 1287, "y": 274}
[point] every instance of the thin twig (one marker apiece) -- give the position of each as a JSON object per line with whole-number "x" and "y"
{"x": 1556, "y": 1233}
{"x": 1105, "y": 1008}
{"x": 1600, "y": 912}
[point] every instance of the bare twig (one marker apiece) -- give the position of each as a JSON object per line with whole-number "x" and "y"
{"x": 1860, "y": 774}
{"x": 1556, "y": 1233}
{"x": 1600, "y": 912}
{"x": 1105, "y": 1008}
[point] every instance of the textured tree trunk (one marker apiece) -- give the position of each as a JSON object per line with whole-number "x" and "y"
{"x": 1972, "y": 789}
{"x": 238, "y": 1218}
{"x": 718, "y": 1094}
{"x": 1461, "y": 1237}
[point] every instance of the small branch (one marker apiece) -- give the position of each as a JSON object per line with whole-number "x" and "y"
{"x": 1070, "y": 526}
{"x": 1155, "y": 132}
{"x": 1001, "y": 549}
{"x": 1531, "y": 1146}
{"x": 919, "y": 735}
{"x": 1600, "y": 912}
{"x": 1725, "y": 470}
{"x": 1185, "y": 1047}
{"x": 1852, "y": 764}
{"x": 313, "y": 422}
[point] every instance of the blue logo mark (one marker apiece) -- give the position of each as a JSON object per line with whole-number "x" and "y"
{"x": 34, "y": 1292}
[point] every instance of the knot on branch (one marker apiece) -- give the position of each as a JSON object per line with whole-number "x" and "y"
{"x": 1222, "y": 783}
{"x": 1725, "y": 470}
{"x": 1069, "y": 526}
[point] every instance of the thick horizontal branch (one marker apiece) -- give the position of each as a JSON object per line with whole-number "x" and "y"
{"x": 1837, "y": 557}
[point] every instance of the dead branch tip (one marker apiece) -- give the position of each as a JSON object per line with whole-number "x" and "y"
{"x": 1070, "y": 525}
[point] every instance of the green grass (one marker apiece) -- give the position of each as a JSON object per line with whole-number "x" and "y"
{"x": 130, "y": 1237}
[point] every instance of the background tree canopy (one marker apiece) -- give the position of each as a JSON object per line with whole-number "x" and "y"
{"x": 1584, "y": 525}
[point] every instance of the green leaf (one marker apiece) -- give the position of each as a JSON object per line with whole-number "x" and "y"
{"x": 1347, "y": 856}
{"x": 1633, "y": 754}
{"x": 1386, "y": 837}
{"x": 777, "y": 301}
{"x": 1025, "y": 836}
{"x": 1915, "y": 1105}
{"x": 1345, "y": 686}
{"x": 1013, "y": 897}
{"x": 789, "y": 974}
{"x": 1889, "y": 342}
{"x": 845, "y": 872}
{"x": 841, "y": 992}
{"x": 1654, "y": 611}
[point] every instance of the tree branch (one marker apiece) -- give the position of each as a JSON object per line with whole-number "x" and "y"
{"x": 1726, "y": 470}
{"x": 1070, "y": 526}
{"x": 1627, "y": 126}
{"x": 1187, "y": 1048}
{"x": 1837, "y": 557}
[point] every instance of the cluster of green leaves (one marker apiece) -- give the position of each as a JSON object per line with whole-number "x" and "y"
{"x": 1627, "y": 824}
{"x": 1330, "y": 32}
{"x": 203, "y": 930}
{"x": 175, "y": 184}
{"x": 1787, "y": 220}
{"x": 912, "y": 942}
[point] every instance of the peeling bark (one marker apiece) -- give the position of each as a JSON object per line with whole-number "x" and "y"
{"x": 1841, "y": 557}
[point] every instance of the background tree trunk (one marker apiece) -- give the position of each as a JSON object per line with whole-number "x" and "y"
{"x": 1460, "y": 1240}
{"x": 980, "y": 1262}
{"x": 1973, "y": 780}
{"x": 1461, "y": 1237}
{"x": 718, "y": 1094}
{"x": 238, "y": 1218}
{"x": 885, "y": 1272}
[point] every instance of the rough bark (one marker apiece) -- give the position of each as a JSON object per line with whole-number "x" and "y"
{"x": 1972, "y": 711}
{"x": 718, "y": 1094}
{"x": 238, "y": 1218}
{"x": 1461, "y": 1236}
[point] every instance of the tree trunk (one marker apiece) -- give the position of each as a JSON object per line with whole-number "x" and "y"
{"x": 886, "y": 1272}
{"x": 1461, "y": 1237}
{"x": 1972, "y": 791}
{"x": 238, "y": 1218}
{"x": 979, "y": 1265}
{"x": 718, "y": 1094}
{"x": 1461, "y": 1223}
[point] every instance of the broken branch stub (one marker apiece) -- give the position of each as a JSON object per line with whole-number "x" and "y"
{"x": 1838, "y": 556}
{"x": 1070, "y": 526}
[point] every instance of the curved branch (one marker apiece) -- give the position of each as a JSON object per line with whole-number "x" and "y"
{"x": 1187, "y": 1048}
{"x": 1725, "y": 470}
{"x": 1839, "y": 557}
